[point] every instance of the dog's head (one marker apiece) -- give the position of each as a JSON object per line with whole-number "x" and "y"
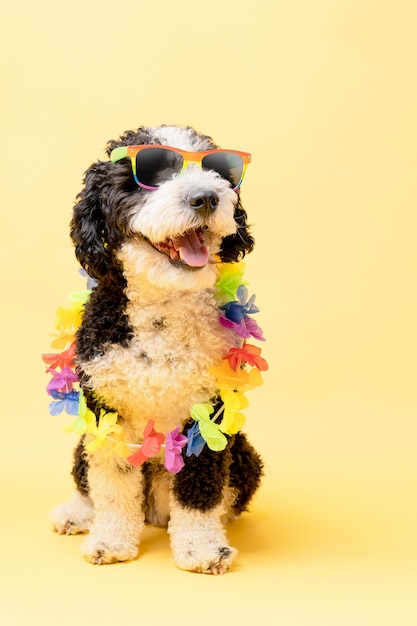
{"x": 168, "y": 228}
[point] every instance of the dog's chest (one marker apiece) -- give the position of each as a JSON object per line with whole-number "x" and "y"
{"x": 166, "y": 368}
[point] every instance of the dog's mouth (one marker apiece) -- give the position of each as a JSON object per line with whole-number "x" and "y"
{"x": 187, "y": 249}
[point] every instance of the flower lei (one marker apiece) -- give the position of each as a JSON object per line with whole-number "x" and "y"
{"x": 239, "y": 371}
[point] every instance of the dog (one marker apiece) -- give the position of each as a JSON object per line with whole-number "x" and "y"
{"x": 152, "y": 227}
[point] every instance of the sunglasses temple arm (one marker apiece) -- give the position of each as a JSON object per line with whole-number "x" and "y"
{"x": 118, "y": 153}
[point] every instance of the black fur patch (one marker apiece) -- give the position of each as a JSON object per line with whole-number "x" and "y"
{"x": 80, "y": 468}
{"x": 235, "y": 247}
{"x": 104, "y": 320}
{"x": 246, "y": 471}
{"x": 199, "y": 485}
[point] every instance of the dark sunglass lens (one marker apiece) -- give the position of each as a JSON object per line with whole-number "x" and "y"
{"x": 227, "y": 164}
{"x": 156, "y": 165}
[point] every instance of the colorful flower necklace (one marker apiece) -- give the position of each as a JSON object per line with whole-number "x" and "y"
{"x": 240, "y": 371}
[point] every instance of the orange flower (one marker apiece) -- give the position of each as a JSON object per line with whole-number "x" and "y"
{"x": 240, "y": 379}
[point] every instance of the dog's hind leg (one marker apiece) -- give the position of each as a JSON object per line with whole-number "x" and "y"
{"x": 115, "y": 488}
{"x": 74, "y": 516}
{"x": 198, "y": 536}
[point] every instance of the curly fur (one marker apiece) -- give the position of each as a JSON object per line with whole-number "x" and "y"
{"x": 148, "y": 339}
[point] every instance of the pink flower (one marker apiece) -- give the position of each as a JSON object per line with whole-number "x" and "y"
{"x": 237, "y": 357}
{"x": 244, "y": 328}
{"x": 151, "y": 445}
{"x": 62, "y": 359}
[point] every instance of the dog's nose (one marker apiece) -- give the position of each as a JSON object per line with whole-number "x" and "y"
{"x": 204, "y": 203}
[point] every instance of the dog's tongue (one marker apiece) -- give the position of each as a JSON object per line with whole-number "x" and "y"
{"x": 190, "y": 249}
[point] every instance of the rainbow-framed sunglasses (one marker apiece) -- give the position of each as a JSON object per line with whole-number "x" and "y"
{"x": 153, "y": 165}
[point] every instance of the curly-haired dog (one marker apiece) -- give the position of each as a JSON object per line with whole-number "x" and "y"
{"x": 152, "y": 239}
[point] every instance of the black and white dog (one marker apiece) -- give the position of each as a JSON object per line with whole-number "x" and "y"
{"x": 151, "y": 227}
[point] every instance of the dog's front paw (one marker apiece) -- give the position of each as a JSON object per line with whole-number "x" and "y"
{"x": 197, "y": 556}
{"x": 198, "y": 541}
{"x": 105, "y": 550}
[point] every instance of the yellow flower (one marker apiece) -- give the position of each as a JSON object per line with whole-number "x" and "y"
{"x": 233, "y": 421}
{"x": 106, "y": 425}
{"x": 117, "y": 444}
{"x": 67, "y": 322}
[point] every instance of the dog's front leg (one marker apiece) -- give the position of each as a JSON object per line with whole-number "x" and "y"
{"x": 198, "y": 504}
{"x": 116, "y": 491}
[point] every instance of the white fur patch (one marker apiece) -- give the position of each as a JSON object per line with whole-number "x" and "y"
{"x": 166, "y": 368}
{"x": 141, "y": 260}
{"x": 182, "y": 138}
{"x": 166, "y": 212}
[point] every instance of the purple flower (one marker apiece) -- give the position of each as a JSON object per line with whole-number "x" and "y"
{"x": 174, "y": 443}
{"x": 61, "y": 381}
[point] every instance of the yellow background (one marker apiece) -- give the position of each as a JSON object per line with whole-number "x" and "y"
{"x": 323, "y": 93}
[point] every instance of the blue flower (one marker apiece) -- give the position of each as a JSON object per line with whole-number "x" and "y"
{"x": 196, "y": 442}
{"x": 237, "y": 315}
{"x": 238, "y": 309}
{"x": 67, "y": 402}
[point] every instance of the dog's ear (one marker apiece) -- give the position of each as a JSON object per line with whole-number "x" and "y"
{"x": 234, "y": 247}
{"x": 88, "y": 224}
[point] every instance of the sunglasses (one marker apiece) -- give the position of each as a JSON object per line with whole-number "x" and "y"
{"x": 154, "y": 165}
